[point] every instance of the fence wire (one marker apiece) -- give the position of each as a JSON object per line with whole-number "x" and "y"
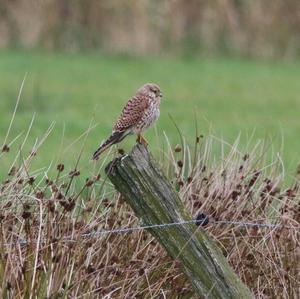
{"x": 167, "y": 225}
{"x": 123, "y": 230}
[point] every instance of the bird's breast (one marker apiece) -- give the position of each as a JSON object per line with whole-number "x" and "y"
{"x": 149, "y": 118}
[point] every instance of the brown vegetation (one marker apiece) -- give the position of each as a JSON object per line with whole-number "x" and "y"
{"x": 44, "y": 253}
{"x": 249, "y": 28}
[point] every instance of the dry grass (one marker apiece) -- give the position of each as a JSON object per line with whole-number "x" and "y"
{"x": 240, "y": 188}
{"x": 45, "y": 255}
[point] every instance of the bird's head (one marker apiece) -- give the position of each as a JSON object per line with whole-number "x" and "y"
{"x": 151, "y": 89}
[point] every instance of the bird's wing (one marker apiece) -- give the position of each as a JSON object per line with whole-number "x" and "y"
{"x": 132, "y": 113}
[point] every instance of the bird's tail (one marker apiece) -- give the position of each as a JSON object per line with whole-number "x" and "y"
{"x": 114, "y": 138}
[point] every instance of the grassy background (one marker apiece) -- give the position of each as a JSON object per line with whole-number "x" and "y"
{"x": 229, "y": 96}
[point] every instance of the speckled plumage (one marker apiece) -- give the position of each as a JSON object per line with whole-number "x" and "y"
{"x": 140, "y": 113}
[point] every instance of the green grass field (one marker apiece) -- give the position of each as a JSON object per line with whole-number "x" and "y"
{"x": 228, "y": 96}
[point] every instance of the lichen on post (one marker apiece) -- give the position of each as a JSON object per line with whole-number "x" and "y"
{"x": 154, "y": 201}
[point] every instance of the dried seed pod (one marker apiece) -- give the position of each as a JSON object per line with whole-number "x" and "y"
{"x": 31, "y": 181}
{"x": 180, "y": 163}
{"x": 26, "y": 214}
{"x": 74, "y": 173}
{"x": 89, "y": 182}
{"x": 177, "y": 148}
{"x": 60, "y": 167}
{"x": 5, "y": 148}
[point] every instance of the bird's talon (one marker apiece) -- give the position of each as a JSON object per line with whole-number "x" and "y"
{"x": 140, "y": 139}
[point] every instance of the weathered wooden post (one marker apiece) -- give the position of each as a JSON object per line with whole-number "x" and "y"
{"x": 154, "y": 201}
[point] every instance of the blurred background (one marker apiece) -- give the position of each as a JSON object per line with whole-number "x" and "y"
{"x": 237, "y": 27}
{"x": 231, "y": 64}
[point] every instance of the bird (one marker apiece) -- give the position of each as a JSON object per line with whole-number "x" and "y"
{"x": 139, "y": 113}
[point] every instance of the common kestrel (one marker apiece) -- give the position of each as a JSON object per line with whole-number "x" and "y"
{"x": 140, "y": 113}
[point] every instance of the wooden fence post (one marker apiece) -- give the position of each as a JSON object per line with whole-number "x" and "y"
{"x": 137, "y": 177}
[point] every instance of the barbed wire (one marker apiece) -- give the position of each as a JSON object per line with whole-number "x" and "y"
{"x": 201, "y": 222}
